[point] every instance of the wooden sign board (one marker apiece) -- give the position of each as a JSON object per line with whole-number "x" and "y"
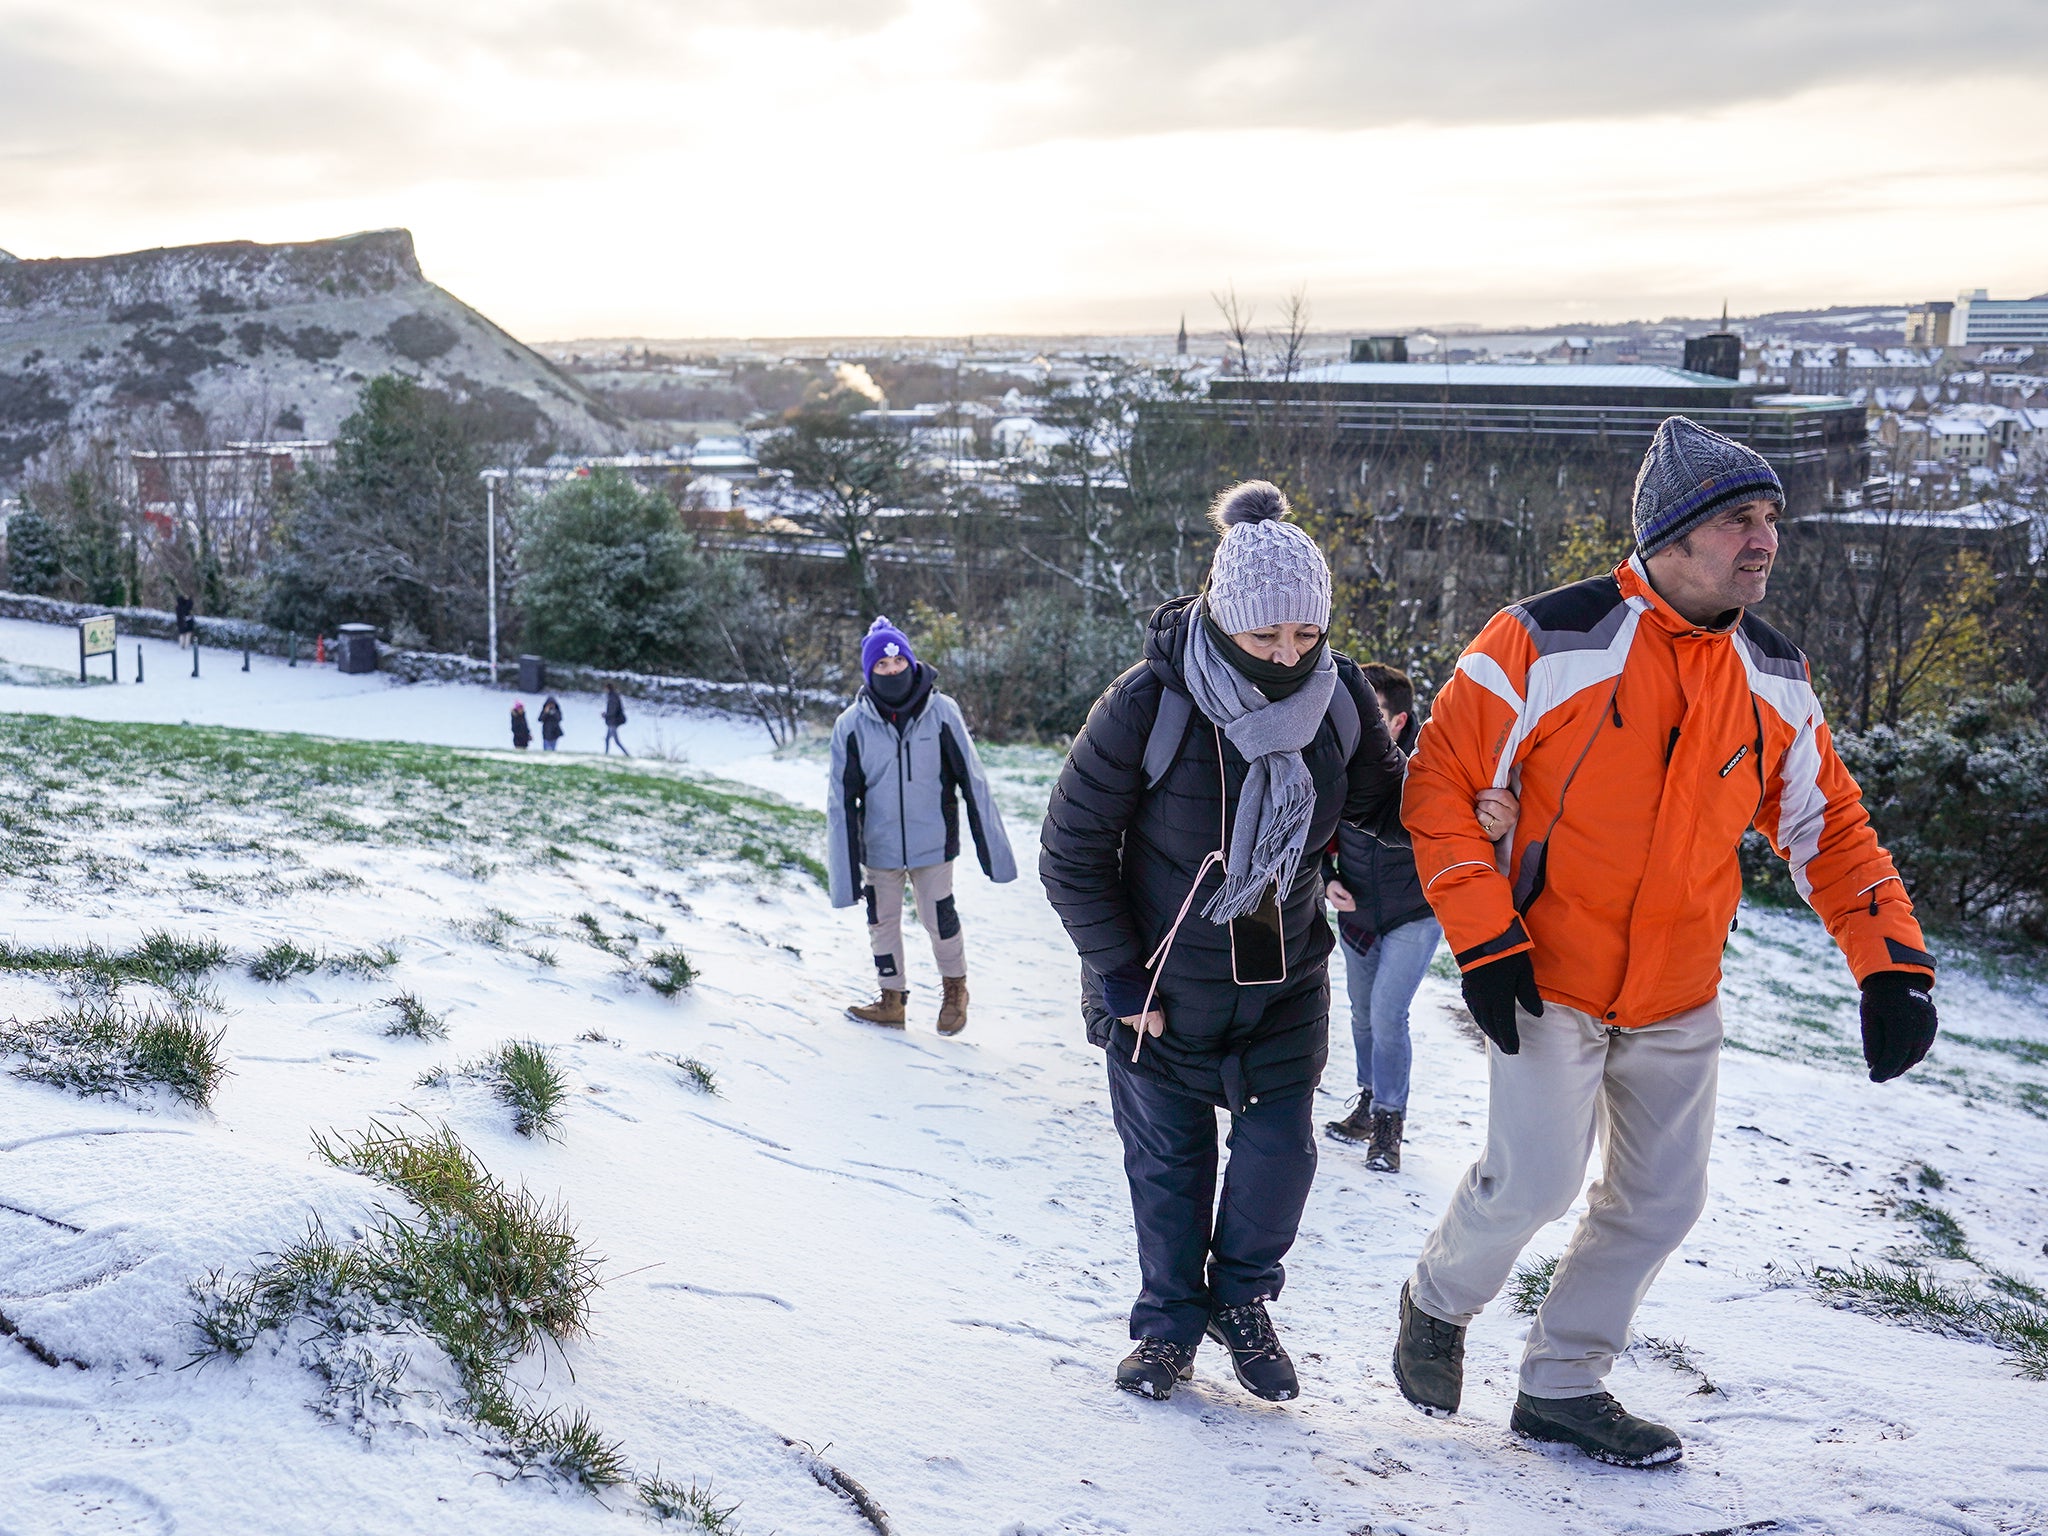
{"x": 96, "y": 638}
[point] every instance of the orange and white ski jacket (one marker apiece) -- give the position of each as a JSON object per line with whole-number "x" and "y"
{"x": 1642, "y": 746}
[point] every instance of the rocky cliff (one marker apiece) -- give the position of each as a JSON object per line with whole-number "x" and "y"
{"x": 247, "y": 340}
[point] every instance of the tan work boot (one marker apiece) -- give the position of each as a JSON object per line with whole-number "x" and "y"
{"x": 886, "y": 1010}
{"x": 953, "y": 1008}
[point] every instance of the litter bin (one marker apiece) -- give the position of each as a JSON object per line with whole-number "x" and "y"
{"x": 357, "y": 648}
{"x": 533, "y": 674}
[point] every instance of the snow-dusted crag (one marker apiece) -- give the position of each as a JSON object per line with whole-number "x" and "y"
{"x": 265, "y": 340}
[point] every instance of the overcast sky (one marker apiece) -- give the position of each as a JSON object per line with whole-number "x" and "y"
{"x": 807, "y": 167}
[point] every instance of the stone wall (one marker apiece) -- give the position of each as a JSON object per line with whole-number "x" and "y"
{"x": 408, "y": 666}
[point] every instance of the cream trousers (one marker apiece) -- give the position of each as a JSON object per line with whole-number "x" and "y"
{"x": 932, "y": 884}
{"x": 1647, "y": 1097}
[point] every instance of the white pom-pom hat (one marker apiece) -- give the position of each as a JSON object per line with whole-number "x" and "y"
{"x": 1266, "y": 571}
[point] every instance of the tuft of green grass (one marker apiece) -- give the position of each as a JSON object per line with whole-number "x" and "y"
{"x": 525, "y": 1076}
{"x": 668, "y": 971}
{"x": 1677, "y": 1354}
{"x": 542, "y": 956}
{"x": 1943, "y": 1233}
{"x": 169, "y": 961}
{"x": 104, "y": 1047}
{"x": 413, "y": 1020}
{"x": 490, "y": 1271}
{"x": 486, "y": 1272}
{"x": 283, "y": 960}
{"x": 1929, "y": 1177}
{"x": 366, "y": 964}
{"x": 692, "y": 1507}
{"x": 1903, "y": 1294}
{"x": 165, "y": 960}
{"x": 563, "y": 1442}
{"x": 1529, "y": 1284}
{"x": 697, "y": 1075}
{"x": 594, "y": 935}
{"x": 494, "y": 929}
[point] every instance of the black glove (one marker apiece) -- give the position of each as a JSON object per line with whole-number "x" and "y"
{"x": 1898, "y": 1022}
{"x": 1493, "y": 989}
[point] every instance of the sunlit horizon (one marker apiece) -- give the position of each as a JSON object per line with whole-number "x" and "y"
{"x": 791, "y": 170}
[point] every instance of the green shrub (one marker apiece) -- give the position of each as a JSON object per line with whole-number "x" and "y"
{"x": 1961, "y": 800}
{"x": 1031, "y": 669}
{"x": 610, "y": 577}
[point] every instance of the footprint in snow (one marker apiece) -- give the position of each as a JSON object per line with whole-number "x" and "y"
{"x": 36, "y": 1418}
{"x": 87, "y": 1504}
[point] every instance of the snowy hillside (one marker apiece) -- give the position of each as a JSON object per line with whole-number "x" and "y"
{"x": 263, "y": 340}
{"x": 824, "y": 1247}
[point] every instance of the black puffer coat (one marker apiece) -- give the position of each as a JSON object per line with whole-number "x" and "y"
{"x": 1380, "y": 878}
{"x": 1117, "y": 861}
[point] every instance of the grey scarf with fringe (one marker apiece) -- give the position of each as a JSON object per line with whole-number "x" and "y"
{"x": 1279, "y": 796}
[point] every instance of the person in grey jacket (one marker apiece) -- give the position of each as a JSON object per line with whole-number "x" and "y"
{"x": 903, "y": 763}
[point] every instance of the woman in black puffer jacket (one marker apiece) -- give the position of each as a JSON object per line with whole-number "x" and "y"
{"x": 1271, "y": 741}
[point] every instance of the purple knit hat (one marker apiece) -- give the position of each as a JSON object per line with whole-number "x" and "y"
{"x": 884, "y": 639}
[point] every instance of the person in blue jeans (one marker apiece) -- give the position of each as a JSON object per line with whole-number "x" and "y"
{"x": 1389, "y": 937}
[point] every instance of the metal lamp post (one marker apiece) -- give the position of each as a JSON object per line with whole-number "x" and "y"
{"x": 491, "y": 477}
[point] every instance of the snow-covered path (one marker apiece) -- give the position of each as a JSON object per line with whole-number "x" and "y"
{"x": 913, "y": 1254}
{"x": 274, "y": 696}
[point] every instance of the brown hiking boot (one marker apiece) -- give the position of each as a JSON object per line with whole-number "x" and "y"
{"x": 1357, "y": 1122}
{"x": 953, "y": 1007}
{"x": 886, "y": 1010}
{"x": 1384, "y": 1155}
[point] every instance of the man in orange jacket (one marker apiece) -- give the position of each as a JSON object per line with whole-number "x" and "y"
{"x": 1646, "y": 719}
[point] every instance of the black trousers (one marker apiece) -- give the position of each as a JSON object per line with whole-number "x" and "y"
{"x": 1194, "y": 1255}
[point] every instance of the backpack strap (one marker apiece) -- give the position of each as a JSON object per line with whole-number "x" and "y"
{"x": 1344, "y": 716}
{"x": 1169, "y": 730}
{"x": 1176, "y": 709}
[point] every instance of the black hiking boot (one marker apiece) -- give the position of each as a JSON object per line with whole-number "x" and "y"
{"x": 1384, "y": 1155}
{"x": 1429, "y": 1360}
{"x": 1154, "y": 1366}
{"x": 1262, "y": 1366}
{"x": 1357, "y": 1122}
{"x": 1597, "y": 1425}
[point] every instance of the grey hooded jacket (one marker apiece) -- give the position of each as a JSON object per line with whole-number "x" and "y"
{"x": 894, "y": 800}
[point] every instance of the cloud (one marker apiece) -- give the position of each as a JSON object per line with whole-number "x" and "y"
{"x": 1125, "y": 66}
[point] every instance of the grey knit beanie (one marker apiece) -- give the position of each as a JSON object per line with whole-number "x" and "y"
{"x": 1266, "y": 570}
{"x": 1688, "y": 475}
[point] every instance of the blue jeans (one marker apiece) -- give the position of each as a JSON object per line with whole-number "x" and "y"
{"x": 1382, "y": 984}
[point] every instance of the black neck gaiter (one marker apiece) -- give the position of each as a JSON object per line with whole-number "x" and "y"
{"x": 1269, "y": 677}
{"x": 893, "y": 690}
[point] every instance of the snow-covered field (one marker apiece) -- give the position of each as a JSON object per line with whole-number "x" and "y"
{"x": 905, "y": 1255}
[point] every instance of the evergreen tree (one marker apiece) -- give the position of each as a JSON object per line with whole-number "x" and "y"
{"x": 34, "y": 563}
{"x": 609, "y": 577}
{"x": 393, "y": 533}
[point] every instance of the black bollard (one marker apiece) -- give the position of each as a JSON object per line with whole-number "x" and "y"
{"x": 195, "y": 655}
{"x": 138, "y": 663}
{"x": 245, "y": 655}
{"x": 291, "y": 640}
